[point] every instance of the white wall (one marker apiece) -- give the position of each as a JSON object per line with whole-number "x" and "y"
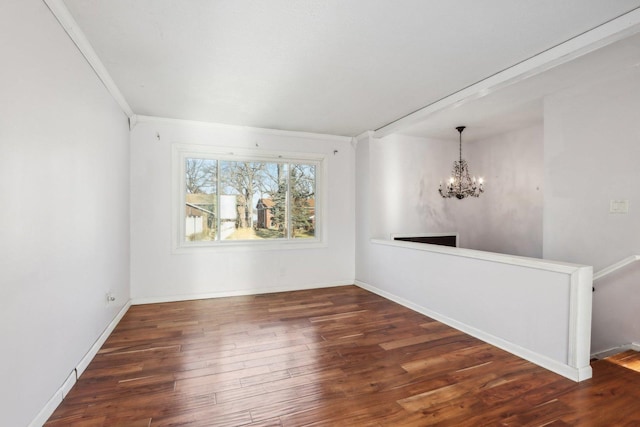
{"x": 592, "y": 147}
{"x": 363, "y": 199}
{"x": 159, "y": 274}
{"x": 616, "y": 321}
{"x": 405, "y": 173}
{"x": 507, "y": 218}
{"x": 64, "y": 216}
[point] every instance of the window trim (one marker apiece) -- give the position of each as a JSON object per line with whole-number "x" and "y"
{"x": 181, "y": 151}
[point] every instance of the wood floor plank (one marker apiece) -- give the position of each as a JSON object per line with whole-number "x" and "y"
{"x": 326, "y": 357}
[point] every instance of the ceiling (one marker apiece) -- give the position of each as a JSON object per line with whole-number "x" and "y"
{"x": 327, "y": 66}
{"x": 521, "y": 105}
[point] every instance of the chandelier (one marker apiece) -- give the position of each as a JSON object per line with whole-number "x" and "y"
{"x": 460, "y": 184}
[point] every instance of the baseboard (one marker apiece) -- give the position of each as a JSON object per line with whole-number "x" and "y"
{"x": 241, "y": 292}
{"x": 59, "y": 395}
{"x": 615, "y": 350}
{"x": 54, "y": 402}
{"x": 575, "y": 374}
{"x": 84, "y": 362}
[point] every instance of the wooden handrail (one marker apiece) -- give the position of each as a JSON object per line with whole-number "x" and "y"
{"x": 614, "y": 267}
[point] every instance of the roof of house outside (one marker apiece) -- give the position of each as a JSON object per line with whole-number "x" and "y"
{"x": 193, "y": 210}
{"x": 265, "y": 203}
{"x": 200, "y": 198}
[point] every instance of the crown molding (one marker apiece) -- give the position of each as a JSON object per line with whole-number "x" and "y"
{"x": 138, "y": 119}
{"x": 69, "y": 24}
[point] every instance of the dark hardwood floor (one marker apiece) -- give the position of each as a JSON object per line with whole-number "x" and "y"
{"x": 328, "y": 357}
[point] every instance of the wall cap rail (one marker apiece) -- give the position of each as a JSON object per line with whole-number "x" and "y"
{"x": 536, "y": 263}
{"x": 614, "y": 267}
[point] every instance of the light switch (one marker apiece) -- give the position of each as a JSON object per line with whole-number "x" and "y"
{"x": 619, "y": 206}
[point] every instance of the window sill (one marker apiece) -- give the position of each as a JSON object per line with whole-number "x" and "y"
{"x": 248, "y": 246}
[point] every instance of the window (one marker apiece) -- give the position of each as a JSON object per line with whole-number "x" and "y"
{"x": 227, "y": 198}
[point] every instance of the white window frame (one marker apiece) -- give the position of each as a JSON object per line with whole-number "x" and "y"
{"x": 180, "y": 152}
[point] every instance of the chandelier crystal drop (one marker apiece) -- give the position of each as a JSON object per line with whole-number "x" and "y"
{"x": 461, "y": 184}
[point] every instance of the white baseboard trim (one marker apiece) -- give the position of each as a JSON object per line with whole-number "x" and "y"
{"x": 575, "y": 374}
{"x": 84, "y": 362}
{"x": 54, "y": 402}
{"x": 241, "y": 292}
{"x": 615, "y": 350}
{"x": 59, "y": 395}
{"x": 69, "y": 383}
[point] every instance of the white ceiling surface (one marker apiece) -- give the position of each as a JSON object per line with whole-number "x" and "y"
{"x": 327, "y": 66}
{"x": 521, "y": 105}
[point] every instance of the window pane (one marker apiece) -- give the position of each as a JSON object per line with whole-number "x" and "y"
{"x": 271, "y": 208}
{"x": 200, "y": 199}
{"x": 303, "y": 193}
{"x": 243, "y": 185}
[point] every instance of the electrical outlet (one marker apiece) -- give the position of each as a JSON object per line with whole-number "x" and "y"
{"x": 110, "y": 297}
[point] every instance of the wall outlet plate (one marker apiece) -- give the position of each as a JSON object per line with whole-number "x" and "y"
{"x": 619, "y": 206}
{"x": 110, "y": 297}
